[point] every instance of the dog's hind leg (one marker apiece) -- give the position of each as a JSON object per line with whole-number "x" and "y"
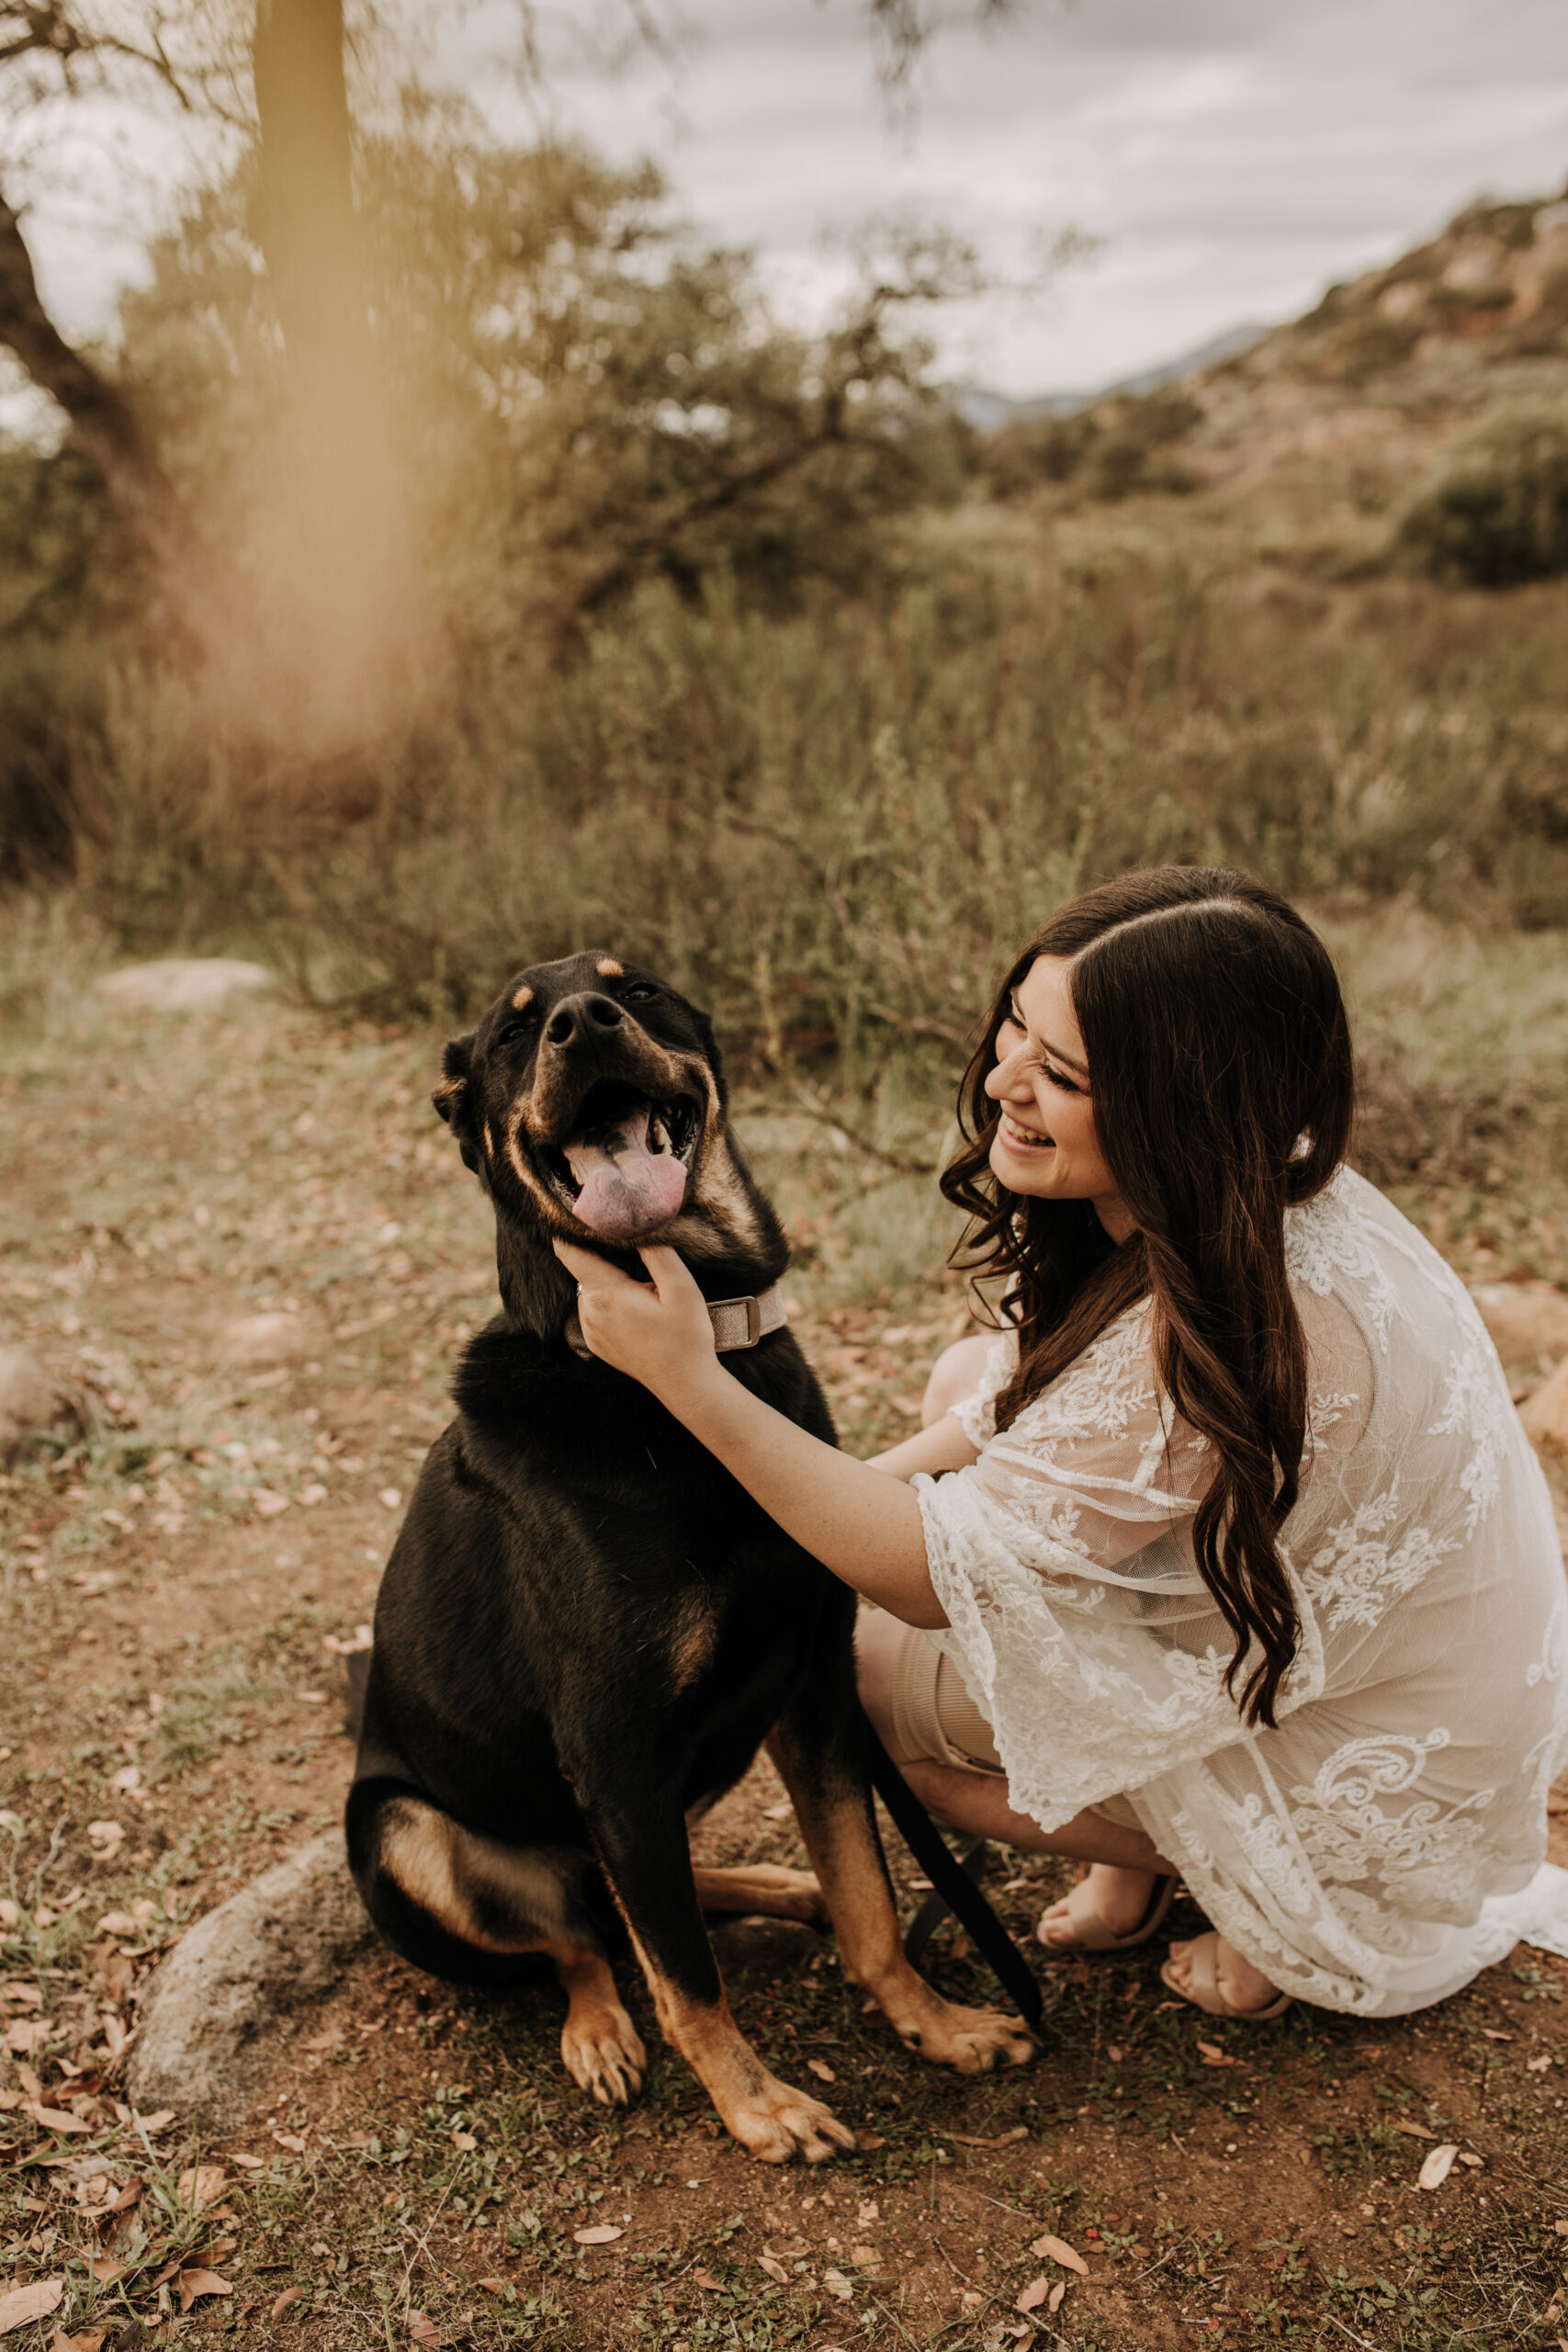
{"x": 465, "y": 1905}
{"x": 646, "y": 1863}
{"x": 766, "y": 1888}
{"x": 819, "y": 1753}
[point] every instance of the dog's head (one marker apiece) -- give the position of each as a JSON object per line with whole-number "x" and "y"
{"x": 591, "y": 1102}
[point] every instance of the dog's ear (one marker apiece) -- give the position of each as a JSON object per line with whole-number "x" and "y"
{"x": 454, "y": 1097}
{"x": 703, "y": 1025}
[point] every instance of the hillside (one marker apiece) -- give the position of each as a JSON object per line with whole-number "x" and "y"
{"x": 1317, "y": 430}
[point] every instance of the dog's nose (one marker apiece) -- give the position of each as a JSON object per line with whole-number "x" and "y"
{"x": 579, "y": 1015}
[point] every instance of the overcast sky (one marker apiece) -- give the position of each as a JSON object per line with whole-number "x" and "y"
{"x": 1235, "y": 155}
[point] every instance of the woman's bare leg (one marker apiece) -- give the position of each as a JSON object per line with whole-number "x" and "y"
{"x": 1126, "y": 1861}
{"x": 955, "y": 1376}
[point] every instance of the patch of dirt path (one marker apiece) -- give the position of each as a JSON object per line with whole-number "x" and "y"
{"x": 245, "y": 1237}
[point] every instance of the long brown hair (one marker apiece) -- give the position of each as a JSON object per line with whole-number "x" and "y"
{"x": 1223, "y": 1085}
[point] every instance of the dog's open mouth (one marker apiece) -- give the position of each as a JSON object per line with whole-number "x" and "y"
{"x": 622, "y": 1172}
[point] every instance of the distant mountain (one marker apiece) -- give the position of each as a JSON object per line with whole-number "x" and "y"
{"x": 988, "y": 411}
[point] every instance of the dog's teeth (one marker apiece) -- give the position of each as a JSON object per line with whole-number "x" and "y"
{"x": 658, "y": 1134}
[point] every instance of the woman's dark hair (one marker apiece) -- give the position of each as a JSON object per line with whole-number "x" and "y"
{"x": 1223, "y": 1089}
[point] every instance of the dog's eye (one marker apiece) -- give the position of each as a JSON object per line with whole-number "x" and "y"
{"x": 639, "y": 993}
{"x": 513, "y": 1030}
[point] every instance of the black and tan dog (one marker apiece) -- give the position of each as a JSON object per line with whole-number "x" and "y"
{"x": 587, "y": 1629}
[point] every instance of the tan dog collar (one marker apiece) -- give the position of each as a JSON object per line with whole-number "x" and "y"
{"x": 737, "y": 1322}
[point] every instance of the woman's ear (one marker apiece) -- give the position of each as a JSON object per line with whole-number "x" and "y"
{"x": 454, "y": 1097}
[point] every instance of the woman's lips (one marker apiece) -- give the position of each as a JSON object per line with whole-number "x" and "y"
{"x": 1021, "y": 1139}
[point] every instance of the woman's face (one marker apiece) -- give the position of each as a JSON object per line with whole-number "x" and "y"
{"x": 1046, "y": 1145}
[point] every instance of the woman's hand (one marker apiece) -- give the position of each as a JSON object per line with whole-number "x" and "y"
{"x": 658, "y": 1331}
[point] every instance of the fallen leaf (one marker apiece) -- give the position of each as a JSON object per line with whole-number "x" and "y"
{"x": 1466, "y": 2158}
{"x": 203, "y": 2185}
{"x": 1212, "y": 2056}
{"x": 775, "y": 2268}
{"x": 287, "y": 2300}
{"x": 839, "y": 2287}
{"x": 91, "y": 2339}
{"x": 53, "y": 2119}
{"x": 21, "y": 2305}
{"x": 328, "y": 2040}
{"x": 154, "y": 2124}
{"x": 105, "y": 2270}
{"x": 467, "y": 2143}
{"x": 194, "y": 2284}
{"x": 1059, "y": 2250}
{"x": 1416, "y": 2130}
{"x": 868, "y": 2140}
{"x": 251, "y": 2164}
{"x": 1438, "y": 2166}
{"x": 425, "y": 2331}
{"x": 1538, "y": 2066}
{"x": 29, "y": 2081}
{"x": 777, "y": 1812}
{"x": 1033, "y": 2295}
{"x": 601, "y": 2233}
{"x": 1115, "y": 2054}
{"x": 821, "y": 2068}
{"x": 493, "y": 2286}
{"x": 1490, "y": 2033}
{"x": 291, "y": 2141}
{"x": 1054, "y": 2299}
{"x": 707, "y": 2282}
{"x": 117, "y": 1923}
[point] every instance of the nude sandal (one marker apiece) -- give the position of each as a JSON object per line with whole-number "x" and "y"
{"x": 1089, "y": 1930}
{"x": 1205, "y": 1992}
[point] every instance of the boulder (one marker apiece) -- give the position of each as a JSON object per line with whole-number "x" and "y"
{"x": 251, "y": 1341}
{"x": 185, "y": 983}
{"x": 1545, "y": 1415}
{"x": 207, "y": 2031}
{"x": 1529, "y": 1321}
{"x": 32, "y": 1401}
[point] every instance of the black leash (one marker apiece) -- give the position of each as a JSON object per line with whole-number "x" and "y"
{"x": 951, "y": 1881}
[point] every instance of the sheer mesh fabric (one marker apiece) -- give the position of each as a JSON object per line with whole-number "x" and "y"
{"x": 1348, "y": 1851}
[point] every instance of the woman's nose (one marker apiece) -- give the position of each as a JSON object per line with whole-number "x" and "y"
{"x": 1008, "y": 1078}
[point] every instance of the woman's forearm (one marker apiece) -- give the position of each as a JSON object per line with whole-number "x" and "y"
{"x": 860, "y": 1523}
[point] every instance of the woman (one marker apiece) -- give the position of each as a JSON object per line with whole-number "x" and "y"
{"x": 1235, "y": 1563}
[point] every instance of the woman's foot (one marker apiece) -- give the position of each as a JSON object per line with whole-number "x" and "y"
{"x": 1244, "y": 1990}
{"x": 1121, "y": 1898}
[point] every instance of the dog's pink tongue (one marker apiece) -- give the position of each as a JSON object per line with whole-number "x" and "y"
{"x": 627, "y": 1190}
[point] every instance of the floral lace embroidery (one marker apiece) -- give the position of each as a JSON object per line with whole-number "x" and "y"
{"x": 1355, "y": 1574}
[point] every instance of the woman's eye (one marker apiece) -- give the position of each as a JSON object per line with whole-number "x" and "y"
{"x": 1055, "y": 1078}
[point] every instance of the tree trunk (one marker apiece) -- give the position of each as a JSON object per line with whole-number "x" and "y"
{"x": 361, "y": 650}
{"x": 106, "y": 429}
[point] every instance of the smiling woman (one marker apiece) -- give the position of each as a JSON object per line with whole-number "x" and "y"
{"x": 1231, "y": 1560}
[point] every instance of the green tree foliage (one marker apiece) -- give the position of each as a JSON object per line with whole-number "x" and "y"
{"x": 583, "y": 399}
{"x": 1497, "y": 514}
{"x": 1110, "y": 451}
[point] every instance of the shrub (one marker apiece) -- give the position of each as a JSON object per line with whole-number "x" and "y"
{"x": 1497, "y": 513}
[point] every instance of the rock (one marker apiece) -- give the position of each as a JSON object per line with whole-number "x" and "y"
{"x": 207, "y": 2030}
{"x": 1529, "y": 1321}
{"x": 32, "y": 1400}
{"x": 1545, "y": 1415}
{"x": 253, "y": 1339}
{"x": 185, "y": 983}
{"x": 760, "y": 1947}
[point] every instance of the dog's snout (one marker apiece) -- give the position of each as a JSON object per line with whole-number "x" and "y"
{"x": 573, "y": 1019}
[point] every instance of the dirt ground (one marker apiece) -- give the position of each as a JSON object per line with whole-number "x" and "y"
{"x": 245, "y": 1240}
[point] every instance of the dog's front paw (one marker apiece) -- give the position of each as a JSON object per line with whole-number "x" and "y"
{"x": 975, "y": 2040}
{"x": 603, "y": 2054}
{"x": 775, "y": 2123}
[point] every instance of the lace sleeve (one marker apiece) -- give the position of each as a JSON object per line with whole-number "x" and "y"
{"x": 1076, "y": 1616}
{"x": 977, "y": 1413}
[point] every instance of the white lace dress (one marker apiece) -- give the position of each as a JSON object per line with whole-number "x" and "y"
{"x": 1349, "y": 1852}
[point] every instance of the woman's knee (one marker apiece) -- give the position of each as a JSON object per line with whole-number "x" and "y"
{"x": 955, "y": 1376}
